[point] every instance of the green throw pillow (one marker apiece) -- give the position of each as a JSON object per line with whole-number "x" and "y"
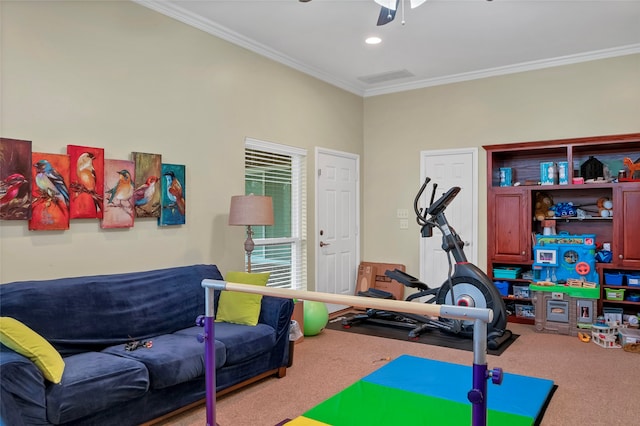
{"x": 241, "y": 308}
{"x": 28, "y": 343}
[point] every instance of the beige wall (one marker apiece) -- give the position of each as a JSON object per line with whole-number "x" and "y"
{"x": 119, "y": 76}
{"x": 594, "y": 98}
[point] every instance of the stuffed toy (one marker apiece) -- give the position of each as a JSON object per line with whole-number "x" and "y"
{"x": 605, "y": 207}
{"x": 543, "y": 206}
{"x": 565, "y": 210}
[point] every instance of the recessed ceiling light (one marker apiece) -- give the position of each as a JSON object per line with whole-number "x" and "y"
{"x": 373, "y": 40}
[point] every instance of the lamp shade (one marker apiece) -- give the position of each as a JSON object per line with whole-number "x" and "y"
{"x": 251, "y": 210}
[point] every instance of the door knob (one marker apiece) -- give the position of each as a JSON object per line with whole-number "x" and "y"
{"x": 322, "y": 244}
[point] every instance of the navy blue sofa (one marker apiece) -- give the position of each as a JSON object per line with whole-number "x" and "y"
{"x": 89, "y": 320}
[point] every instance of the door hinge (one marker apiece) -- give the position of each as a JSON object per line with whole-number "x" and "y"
{"x": 319, "y": 172}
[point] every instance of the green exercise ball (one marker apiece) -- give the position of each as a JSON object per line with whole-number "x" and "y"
{"x": 316, "y": 317}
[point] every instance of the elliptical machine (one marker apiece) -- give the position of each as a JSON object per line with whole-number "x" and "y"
{"x": 466, "y": 284}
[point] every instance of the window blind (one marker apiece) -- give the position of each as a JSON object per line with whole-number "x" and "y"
{"x": 279, "y": 171}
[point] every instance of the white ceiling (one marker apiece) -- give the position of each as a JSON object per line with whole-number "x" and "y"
{"x": 442, "y": 41}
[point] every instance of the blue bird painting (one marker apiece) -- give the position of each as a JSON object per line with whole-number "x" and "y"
{"x": 50, "y": 209}
{"x": 50, "y": 182}
{"x": 174, "y": 191}
{"x": 173, "y": 211}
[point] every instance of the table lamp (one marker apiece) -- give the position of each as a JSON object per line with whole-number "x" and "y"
{"x": 250, "y": 210}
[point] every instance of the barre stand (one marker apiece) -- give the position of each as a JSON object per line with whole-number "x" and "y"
{"x": 481, "y": 317}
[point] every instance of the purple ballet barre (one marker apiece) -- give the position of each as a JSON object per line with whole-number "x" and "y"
{"x": 481, "y": 317}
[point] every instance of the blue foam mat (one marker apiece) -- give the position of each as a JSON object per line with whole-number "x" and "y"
{"x": 522, "y": 395}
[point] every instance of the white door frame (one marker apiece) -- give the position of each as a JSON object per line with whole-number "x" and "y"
{"x": 473, "y": 254}
{"x": 315, "y": 239}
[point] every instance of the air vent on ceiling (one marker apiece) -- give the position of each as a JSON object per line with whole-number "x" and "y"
{"x": 385, "y": 76}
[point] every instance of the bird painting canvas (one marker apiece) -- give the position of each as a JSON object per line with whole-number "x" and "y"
{"x": 50, "y": 192}
{"x": 118, "y": 203}
{"x": 15, "y": 174}
{"x": 148, "y": 172}
{"x": 173, "y": 195}
{"x": 87, "y": 181}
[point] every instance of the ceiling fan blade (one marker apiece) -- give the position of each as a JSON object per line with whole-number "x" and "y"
{"x": 387, "y": 15}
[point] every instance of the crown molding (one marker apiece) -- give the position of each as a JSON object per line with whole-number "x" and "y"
{"x": 510, "y": 69}
{"x": 174, "y": 11}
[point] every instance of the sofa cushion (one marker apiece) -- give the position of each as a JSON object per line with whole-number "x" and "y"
{"x": 244, "y": 342}
{"x": 171, "y": 359}
{"x": 221, "y": 349}
{"x": 94, "y": 312}
{"x": 241, "y": 308}
{"x": 94, "y": 381}
{"x": 22, "y": 339}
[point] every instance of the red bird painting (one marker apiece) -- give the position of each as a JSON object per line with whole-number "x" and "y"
{"x": 10, "y": 189}
{"x": 15, "y": 173}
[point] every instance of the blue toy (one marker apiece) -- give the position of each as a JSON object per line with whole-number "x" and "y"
{"x": 564, "y": 210}
{"x": 564, "y": 256}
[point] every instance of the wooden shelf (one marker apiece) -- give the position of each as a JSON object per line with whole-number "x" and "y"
{"x": 578, "y": 219}
{"x": 560, "y": 187}
{"x": 511, "y": 209}
{"x": 516, "y": 299}
{"x": 620, "y": 302}
{"x": 521, "y": 320}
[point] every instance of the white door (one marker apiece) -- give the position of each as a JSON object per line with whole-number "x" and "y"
{"x": 337, "y": 224}
{"x": 450, "y": 168}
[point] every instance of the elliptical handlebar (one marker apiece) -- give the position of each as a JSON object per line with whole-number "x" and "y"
{"x": 420, "y": 218}
{"x": 441, "y": 203}
{"x": 433, "y": 217}
{"x": 435, "y": 207}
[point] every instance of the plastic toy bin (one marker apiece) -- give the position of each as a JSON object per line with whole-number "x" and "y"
{"x": 503, "y": 287}
{"x": 613, "y": 278}
{"x": 633, "y": 280}
{"x": 509, "y": 272}
{"x": 629, "y": 335}
{"x": 525, "y": 311}
{"x": 521, "y": 292}
{"x": 613, "y": 294}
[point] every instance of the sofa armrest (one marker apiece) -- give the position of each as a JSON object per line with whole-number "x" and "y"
{"x": 276, "y": 312}
{"x": 22, "y": 391}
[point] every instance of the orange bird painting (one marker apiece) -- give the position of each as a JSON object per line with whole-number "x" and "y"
{"x": 86, "y": 167}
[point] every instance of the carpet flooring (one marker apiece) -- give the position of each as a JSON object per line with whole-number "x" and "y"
{"x": 432, "y": 337}
{"x": 596, "y": 386}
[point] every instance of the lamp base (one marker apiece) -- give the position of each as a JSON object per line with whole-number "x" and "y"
{"x": 249, "y": 245}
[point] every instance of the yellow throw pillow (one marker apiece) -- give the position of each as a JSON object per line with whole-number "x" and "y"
{"x": 17, "y": 336}
{"x": 241, "y": 308}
